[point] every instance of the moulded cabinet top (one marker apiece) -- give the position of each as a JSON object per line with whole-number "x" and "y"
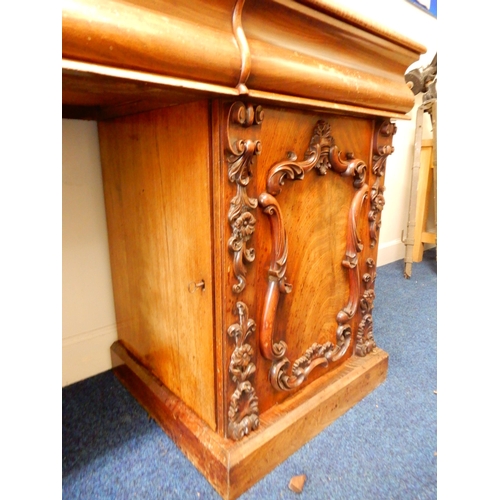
{"x": 121, "y": 57}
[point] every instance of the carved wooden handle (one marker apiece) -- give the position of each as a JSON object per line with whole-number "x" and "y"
{"x": 276, "y": 274}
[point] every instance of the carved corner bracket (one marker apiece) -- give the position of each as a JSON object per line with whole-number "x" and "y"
{"x": 243, "y": 410}
{"x": 322, "y": 155}
{"x": 382, "y": 148}
{"x": 240, "y": 155}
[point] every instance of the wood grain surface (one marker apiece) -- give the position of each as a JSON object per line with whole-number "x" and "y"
{"x": 315, "y": 212}
{"x": 285, "y": 50}
{"x": 156, "y": 174}
{"x": 244, "y": 326}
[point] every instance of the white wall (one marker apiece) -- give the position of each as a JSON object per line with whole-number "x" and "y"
{"x": 89, "y": 326}
{"x": 88, "y": 319}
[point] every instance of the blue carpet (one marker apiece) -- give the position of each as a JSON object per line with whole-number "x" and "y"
{"x": 383, "y": 448}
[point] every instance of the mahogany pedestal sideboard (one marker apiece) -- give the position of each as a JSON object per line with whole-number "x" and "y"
{"x": 243, "y": 150}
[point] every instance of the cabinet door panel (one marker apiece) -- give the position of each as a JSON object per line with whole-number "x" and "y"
{"x": 311, "y": 228}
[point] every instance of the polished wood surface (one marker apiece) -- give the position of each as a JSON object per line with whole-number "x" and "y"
{"x": 157, "y": 178}
{"x": 326, "y": 58}
{"x": 191, "y": 250}
{"x": 164, "y": 37}
{"x": 315, "y": 212}
{"x": 284, "y": 49}
{"x": 96, "y": 92}
{"x": 156, "y": 174}
{"x": 93, "y": 92}
{"x": 243, "y": 148}
{"x": 357, "y": 19}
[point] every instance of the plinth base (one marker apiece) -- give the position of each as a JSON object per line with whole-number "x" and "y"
{"x": 232, "y": 467}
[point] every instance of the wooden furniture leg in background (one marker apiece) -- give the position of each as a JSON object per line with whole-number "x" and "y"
{"x": 424, "y": 164}
{"x": 424, "y": 197}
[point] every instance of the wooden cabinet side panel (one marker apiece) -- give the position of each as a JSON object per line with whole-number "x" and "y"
{"x": 156, "y": 172}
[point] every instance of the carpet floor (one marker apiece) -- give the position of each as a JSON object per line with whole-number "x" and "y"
{"x": 384, "y": 448}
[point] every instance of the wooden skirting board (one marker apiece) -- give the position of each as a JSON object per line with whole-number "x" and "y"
{"x": 232, "y": 467}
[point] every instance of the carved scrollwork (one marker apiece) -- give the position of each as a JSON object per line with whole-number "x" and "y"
{"x": 323, "y": 155}
{"x": 243, "y": 410}
{"x": 240, "y": 157}
{"x": 364, "y": 338}
{"x": 382, "y": 148}
{"x": 241, "y": 41}
{"x": 350, "y": 262}
{"x": 316, "y": 355}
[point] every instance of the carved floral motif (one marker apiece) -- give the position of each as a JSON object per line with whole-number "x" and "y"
{"x": 364, "y": 340}
{"x": 364, "y": 337}
{"x": 382, "y": 148}
{"x": 321, "y": 154}
{"x": 240, "y": 157}
{"x": 243, "y": 410}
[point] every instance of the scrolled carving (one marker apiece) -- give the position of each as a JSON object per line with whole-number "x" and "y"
{"x": 323, "y": 155}
{"x": 316, "y": 355}
{"x": 241, "y": 41}
{"x": 365, "y": 342}
{"x": 243, "y": 409}
{"x": 382, "y": 148}
{"x": 366, "y": 301}
{"x": 350, "y": 262}
{"x": 240, "y": 158}
{"x": 277, "y": 268}
{"x": 350, "y": 167}
{"x": 276, "y": 277}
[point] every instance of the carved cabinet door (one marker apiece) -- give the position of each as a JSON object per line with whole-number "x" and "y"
{"x": 304, "y": 223}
